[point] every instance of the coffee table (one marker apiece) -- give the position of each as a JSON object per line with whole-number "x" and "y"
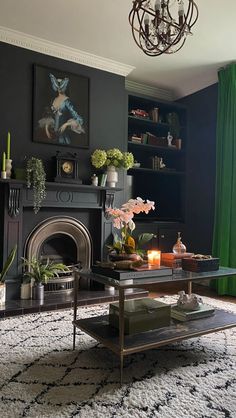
{"x": 98, "y": 327}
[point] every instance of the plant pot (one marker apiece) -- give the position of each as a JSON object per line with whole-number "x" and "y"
{"x": 2, "y": 293}
{"x": 38, "y": 292}
{"x": 25, "y": 291}
{"x": 112, "y": 176}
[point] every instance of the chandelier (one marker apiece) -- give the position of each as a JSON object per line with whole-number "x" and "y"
{"x": 162, "y": 26}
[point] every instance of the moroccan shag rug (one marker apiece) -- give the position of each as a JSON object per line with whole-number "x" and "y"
{"x": 40, "y": 375}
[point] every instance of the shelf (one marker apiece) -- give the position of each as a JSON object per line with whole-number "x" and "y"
{"x": 151, "y": 148}
{"x": 151, "y": 122}
{"x": 148, "y": 121}
{"x": 99, "y": 328}
{"x": 67, "y": 185}
{"x": 156, "y": 172}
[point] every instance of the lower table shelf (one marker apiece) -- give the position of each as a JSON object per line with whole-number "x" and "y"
{"x": 99, "y": 328}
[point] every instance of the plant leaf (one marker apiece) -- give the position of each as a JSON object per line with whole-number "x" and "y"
{"x": 8, "y": 263}
{"x": 144, "y": 238}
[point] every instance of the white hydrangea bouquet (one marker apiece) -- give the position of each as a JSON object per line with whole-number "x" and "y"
{"x": 112, "y": 157}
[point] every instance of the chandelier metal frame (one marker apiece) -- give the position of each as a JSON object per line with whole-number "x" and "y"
{"x": 156, "y": 31}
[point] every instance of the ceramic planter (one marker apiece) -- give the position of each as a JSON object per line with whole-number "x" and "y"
{"x": 38, "y": 292}
{"x": 2, "y": 293}
{"x": 112, "y": 176}
{"x": 25, "y": 291}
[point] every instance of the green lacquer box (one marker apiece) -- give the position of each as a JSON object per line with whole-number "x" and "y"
{"x": 141, "y": 315}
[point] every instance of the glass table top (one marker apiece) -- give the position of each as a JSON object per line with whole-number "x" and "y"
{"x": 179, "y": 276}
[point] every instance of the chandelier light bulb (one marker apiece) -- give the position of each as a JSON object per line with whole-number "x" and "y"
{"x": 161, "y": 26}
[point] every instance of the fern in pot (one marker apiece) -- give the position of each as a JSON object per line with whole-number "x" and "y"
{"x": 41, "y": 272}
{"x": 36, "y": 178}
{"x": 3, "y": 273}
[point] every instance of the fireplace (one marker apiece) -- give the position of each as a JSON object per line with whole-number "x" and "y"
{"x": 70, "y": 227}
{"x": 62, "y": 239}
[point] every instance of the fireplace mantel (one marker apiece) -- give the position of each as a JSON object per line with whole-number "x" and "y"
{"x": 16, "y": 206}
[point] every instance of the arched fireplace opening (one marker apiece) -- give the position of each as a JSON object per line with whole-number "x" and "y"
{"x": 62, "y": 239}
{"x": 60, "y": 248}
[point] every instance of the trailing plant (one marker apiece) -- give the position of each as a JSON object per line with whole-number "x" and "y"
{"x": 36, "y": 177}
{"x": 8, "y": 264}
{"x": 42, "y": 271}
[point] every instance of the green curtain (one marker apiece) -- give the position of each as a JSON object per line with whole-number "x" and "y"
{"x": 224, "y": 239}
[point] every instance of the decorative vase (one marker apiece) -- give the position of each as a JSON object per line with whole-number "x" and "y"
{"x": 2, "y": 293}
{"x": 179, "y": 247}
{"x": 8, "y": 167}
{"x": 112, "y": 176}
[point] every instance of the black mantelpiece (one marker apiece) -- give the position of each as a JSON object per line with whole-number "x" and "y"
{"x": 17, "y": 219}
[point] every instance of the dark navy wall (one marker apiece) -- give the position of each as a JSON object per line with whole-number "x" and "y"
{"x": 200, "y": 180}
{"x": 107, "y": 101}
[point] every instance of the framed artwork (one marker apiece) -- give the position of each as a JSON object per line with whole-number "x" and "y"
{"x": 60, "y": 108}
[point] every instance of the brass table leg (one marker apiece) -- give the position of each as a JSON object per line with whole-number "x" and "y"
{"x": 76, "y": 278}
{"x": 190, "y": 287}
{"x": 121, "y": 331}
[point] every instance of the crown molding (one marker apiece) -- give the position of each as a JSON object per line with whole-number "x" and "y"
{"x": 33, "y": 43}
{"x": 156, "y": 92}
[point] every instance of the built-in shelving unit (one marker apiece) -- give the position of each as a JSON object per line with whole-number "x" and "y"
{"x": 165, "y": 184}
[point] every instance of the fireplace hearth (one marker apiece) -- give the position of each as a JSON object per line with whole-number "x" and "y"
{"x": 71, "y": 227}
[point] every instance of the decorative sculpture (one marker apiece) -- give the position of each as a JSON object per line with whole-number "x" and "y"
{"x": 189, "y": 302}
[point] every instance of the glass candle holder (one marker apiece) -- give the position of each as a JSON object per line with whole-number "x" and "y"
{"x": 154, "y": 258}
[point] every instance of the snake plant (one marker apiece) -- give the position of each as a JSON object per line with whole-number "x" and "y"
{"x": 8, "y": 264}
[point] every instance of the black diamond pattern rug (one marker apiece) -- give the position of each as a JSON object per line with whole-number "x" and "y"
{"x": 40, "y": 375}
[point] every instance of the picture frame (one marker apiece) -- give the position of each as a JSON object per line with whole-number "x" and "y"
{"x": 60, "y": 108}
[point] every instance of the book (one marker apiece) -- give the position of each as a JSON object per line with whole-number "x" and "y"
{"x": 181, "y": 315}
{"x": 175, "y": 263}
{"x": 132, "y": 274}
{"x": 173, "y": 256}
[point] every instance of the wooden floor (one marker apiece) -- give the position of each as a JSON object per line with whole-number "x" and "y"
{"x": 172, "y": 289}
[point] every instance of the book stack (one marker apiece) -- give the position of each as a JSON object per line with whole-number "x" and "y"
{"x": 181, "y": 315}
{"x": 174, "y": 260}
{"x": 136, "y": 139}
{"x": 155, "y": 161}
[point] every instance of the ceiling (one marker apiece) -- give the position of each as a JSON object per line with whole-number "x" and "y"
{"x": 101, "y": 27}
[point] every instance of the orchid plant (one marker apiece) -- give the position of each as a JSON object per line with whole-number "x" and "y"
{"x": 122, "y": 218}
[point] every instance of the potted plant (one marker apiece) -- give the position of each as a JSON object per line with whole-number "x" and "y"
{"x": 111, "y": 160}
{"x": 125, "y": 246}
{"x": 41, "y": 272}
{"x": 3, "y": 273}
{"x": 36, "y": 177}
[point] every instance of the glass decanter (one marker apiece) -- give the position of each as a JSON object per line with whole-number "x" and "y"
{"x": 179, "y": 247}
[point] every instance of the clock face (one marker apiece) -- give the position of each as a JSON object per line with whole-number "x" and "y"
{"x": 67, "y": 167}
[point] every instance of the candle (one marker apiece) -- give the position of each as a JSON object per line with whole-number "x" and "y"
{"x": 4, "y": 161}
{"x": 8, "y": 145}
{"x": 154, "y": 258}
